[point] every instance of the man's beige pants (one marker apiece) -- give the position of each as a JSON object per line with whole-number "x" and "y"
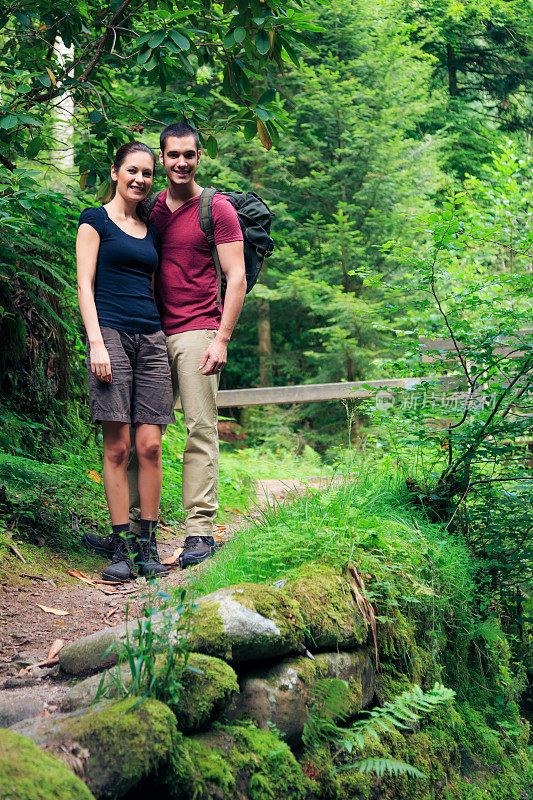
{"x": 197, "y": 393}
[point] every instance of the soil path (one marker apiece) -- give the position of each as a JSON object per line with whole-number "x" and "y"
{"x": 27, "y": 632}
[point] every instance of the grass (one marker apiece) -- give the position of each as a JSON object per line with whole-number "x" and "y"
{"x": 366, "y": 519}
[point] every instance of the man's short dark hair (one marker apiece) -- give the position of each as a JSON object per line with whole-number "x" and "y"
{"x": 179, "y": 130}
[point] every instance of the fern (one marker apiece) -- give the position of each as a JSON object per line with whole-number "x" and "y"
{"x": 330, "y": 697}
{"x": 29, "y": 472}
{"x": 383, "y": 766}
{"x": 400, "y": 713}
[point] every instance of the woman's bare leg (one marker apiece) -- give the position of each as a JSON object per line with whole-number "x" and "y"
{"x": 148, "y": 446}
{"x": 116, "y": 452}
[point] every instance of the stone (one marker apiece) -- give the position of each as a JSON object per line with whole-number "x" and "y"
{"x": 241, "y": 623}
{"x": 26, "y": 773}
{"x": 246, "y": 622}
{"x": 14, "y": 709}
{"x": 233, "y": 761}
{"x": 330, "y": 616}
{"x": 208, "y": 687}
{"x": 17, "y": 681}
{"x": 281, "y": 695}
{"x": 113, "y": 746}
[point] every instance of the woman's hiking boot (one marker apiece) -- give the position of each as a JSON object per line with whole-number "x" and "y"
{"x": 122, "y": 567}
{"x": 99, "y": 544}
{"x": 196, "y": 549}
{"x": 148, "y": 562}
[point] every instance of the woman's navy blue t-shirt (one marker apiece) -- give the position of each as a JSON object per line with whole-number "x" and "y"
{"x": 123, "y": 280}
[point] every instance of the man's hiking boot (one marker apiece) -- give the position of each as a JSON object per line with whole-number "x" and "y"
{"x": 100, "y": 544}
{"x": 122, "y": 567}
{"x": 148, "y": 562}
{"x": 196, "y": 549}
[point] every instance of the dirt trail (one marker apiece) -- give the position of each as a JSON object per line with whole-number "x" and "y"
{"x": 26, "y": 631}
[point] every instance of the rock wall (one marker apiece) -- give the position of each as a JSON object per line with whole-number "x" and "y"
{"x": 228, "y": 723}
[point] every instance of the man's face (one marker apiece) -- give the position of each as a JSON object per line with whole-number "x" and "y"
{"x": 180, "y": 159}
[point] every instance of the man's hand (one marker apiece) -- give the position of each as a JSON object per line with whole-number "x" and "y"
{"x": 214, "y": 358}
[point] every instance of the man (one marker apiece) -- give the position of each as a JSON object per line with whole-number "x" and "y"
{"x": 198, "y": 329}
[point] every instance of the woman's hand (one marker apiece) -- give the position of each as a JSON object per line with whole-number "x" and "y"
{"x": 100, "y": 362}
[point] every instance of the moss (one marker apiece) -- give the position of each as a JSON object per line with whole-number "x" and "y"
{"x": 310, "y": 671}
{"x": 452, "y": 770}
{"x": 26, "y": 773}
{"x": 208, "y": 635}
{"x": 126, "y": 741}
{"x": 240, "y": 761}
{"x": 275, "y": 605}
{"x": 207, "y": 690}
{"x": 325, "y": 602}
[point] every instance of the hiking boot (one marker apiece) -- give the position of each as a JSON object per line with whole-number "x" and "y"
{"x": 100, "y": 544}
{"x": 122, "y": 567}
{"x": 148, "y": 562}
{"x": 196, "y": 549}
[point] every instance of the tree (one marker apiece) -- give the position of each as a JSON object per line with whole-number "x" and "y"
{"x": 483, "y": 60}
{"x": 121, "y": 45}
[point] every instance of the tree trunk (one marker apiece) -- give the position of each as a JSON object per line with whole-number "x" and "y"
{"x": 452, "y": 71}
{"x": 63, "y": 153}
{"x": 264, "y": 340}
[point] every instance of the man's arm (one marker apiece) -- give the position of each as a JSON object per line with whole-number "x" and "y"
{"x": 231, "y": 257}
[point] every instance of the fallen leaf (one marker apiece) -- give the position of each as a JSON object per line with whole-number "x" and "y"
{"x": 218, "y": 538}
{"x": 94, "y": 476}
{"x": 220, "y": 528}
{"x": 81, "y": 576}
{"x": 363, "y": 604}
{"x": 55, "y": 647}
{"x": 111, "y": 612}
{"x": 57, "y": 611}
{"x": 236, "y": 511}
{"x": 174, "y": 558}
{"x": 48, "y": 662}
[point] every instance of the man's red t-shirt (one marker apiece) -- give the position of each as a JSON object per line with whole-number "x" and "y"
{"x": 186, "y": 283}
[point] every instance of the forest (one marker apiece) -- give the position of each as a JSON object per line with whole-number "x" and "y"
{"x": 385, "y": 538}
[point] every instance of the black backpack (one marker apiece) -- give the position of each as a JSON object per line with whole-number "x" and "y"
{"x": 255, "y": 220}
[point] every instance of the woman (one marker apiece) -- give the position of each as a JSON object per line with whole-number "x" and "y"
{"x": 127, "y": 365}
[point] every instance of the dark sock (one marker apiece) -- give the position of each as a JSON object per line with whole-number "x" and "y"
{"x": 148, "y": 526}
{"x": 121, "y": 529}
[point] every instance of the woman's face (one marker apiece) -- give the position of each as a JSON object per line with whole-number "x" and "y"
{"x": 135, "y": 175}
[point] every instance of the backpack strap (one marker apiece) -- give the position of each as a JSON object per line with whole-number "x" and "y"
{"x": 206, "y": 224}
{"x": 153, "y": 200}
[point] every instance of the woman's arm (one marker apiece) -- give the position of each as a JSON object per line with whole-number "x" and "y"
{"x": 87, "y": 245}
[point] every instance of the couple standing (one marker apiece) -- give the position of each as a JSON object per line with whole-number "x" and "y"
{"x": 148, "y": 295}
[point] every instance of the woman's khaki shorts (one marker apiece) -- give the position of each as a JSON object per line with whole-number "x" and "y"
{"x": 141, "y": 388}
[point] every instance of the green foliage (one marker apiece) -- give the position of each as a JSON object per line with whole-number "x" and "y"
{"x": 471, "y": 284}
{"x": 387, "y": 766}
{"x": 60, "y": 53}
{"x": 402, "y": 712}
{"x": 141, "y": 646}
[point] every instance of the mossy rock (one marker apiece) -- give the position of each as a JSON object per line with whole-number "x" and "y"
{"x": 235, "y": 761}
{"x": 246, "y": 622}
{"x": 115, "y": 744}
{"x": 325, "y": 602}
{"x": 207, "y": 692}
{"x": 241, "y": 623}
{"x": 281, "y": 695}
{"x": 208, "y": 685}
{"x": 26, "y": 773}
